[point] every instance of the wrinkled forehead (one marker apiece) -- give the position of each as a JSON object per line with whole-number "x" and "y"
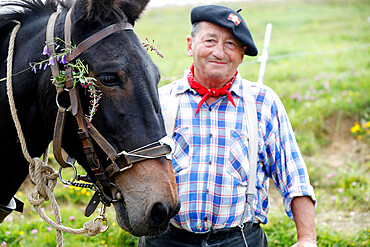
{"x": 211, "y": 30}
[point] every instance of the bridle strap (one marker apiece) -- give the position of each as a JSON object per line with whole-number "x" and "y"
{"x": 130, "y": 157}
{"x": 61, "y": 115}
{"x": 50, "y": 42}
{"x": 93, "y": 39}
{"x": 58, "y": 135}
{"x": 103, "y": 143}
{"x": 67, "y": 28}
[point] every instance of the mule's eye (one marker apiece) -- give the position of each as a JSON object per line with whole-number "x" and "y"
{"x": 109, "y": 79}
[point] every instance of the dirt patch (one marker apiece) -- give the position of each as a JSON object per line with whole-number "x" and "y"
{"x": 343, "y": 148}
{"x": 342, "y": 145}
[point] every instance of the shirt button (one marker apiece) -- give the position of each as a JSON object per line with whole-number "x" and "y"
{"x": 210, "y": 135}
{"x": 209, "y": 162}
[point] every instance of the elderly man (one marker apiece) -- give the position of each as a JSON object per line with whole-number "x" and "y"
{"x": 231, "y": 136}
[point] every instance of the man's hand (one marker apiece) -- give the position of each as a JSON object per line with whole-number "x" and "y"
{"x": 305, "y": 243}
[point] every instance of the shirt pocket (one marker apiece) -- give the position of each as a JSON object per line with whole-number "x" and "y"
{"x": 180, "y": 158}
{"x": 238, "y": 163}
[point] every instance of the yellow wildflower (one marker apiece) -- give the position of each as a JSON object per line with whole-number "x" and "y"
{"x": 368, "y": 124}
{"x": 83, "y": 191}
{"x": 88, "y": 193}
{"x": 359, "y": 137}
{"x": 19, "y": 193}
{"x": 71, "y": 191}
{"x": 21, "y": 233}
{"x": 355, "y": 128}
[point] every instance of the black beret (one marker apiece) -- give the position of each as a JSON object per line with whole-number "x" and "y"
{"x": 228, "y": 18}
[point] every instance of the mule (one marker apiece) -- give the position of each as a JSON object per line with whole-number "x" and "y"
{"x": 128, "y": 115}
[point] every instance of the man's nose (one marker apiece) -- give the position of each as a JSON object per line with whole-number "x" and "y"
{"x": 219, "y": 50}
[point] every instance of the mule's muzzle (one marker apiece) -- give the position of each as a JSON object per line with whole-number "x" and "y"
{"x": 159, "y": 214}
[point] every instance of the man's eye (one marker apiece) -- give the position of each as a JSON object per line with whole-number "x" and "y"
{"x": 210, "y": 42}
{"x": 230, "y": 45}
{"x": 109, "y": 79}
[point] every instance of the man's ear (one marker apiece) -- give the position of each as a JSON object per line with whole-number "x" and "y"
{"x": 189, "y": 40}
{"x": 243, "y": 49}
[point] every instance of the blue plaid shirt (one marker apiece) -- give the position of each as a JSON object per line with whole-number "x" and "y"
{"x": 210, "y": 159}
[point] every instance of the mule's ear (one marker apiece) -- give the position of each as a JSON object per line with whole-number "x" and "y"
{"x": 99, "y": 9}
{"x": 133, "y": 9}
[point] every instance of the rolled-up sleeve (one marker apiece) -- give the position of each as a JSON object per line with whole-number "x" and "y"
{"x": 280, "y": 153}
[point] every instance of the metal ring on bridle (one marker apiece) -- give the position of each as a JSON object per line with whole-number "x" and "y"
{"x": 68, "y": 182}
{"x": 57, "y": 100}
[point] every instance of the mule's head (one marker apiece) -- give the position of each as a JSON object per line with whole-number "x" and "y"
{"x": 129, "y": 114}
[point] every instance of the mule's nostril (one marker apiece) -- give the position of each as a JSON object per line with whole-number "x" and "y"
{"x": 175, "y": 210}
{"x": 159, "y": 215}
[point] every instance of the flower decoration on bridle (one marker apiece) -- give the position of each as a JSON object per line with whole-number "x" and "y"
{"x": 80, "y": 71}
{"x": 80, "y": 74}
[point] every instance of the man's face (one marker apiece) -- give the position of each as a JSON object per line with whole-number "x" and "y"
{"x": 216, "y": 53}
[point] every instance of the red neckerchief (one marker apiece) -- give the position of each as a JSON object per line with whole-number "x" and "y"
{"x": 215, "y": 92}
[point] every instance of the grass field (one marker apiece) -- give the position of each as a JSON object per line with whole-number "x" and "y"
{"x": 319, "y": 66}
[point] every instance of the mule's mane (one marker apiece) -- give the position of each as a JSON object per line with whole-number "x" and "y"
{"x": 21, "y": 10}
{"x": 97, "y": 11}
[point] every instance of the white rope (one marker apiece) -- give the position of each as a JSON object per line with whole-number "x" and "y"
{"x": 43, "y": 176}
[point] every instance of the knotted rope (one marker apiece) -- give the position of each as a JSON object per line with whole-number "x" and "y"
{"x": 43, "y": 176}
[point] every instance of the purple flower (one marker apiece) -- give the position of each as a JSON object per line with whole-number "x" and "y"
{"x": 49, "y": 229}
{"x": 46, "y": 50}
{"x": 9, "y": 218}
{"x": 72, "y": 218}
{"x": 40, "y": 66}
{"x": 46, "y": 65}
{"x": 3, "y": 244}
{"x": 34, "y": 231}
{"x": 333, "y": 198}
{"x": 34, "y": 69}
{"x": 51, "y": 61}
{"x": 330, "y": 175}
{"x": 63, "y": 60}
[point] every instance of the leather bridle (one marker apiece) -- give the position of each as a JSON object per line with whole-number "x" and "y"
{"x": 88, "y": 132}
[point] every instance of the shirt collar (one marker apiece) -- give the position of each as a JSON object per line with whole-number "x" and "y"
{"x": 183, "y": 85}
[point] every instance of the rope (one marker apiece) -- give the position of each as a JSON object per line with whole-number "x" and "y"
{"x": 43, "y": 176}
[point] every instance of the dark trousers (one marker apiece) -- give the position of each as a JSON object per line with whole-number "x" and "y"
{"x": 233, "y": 237}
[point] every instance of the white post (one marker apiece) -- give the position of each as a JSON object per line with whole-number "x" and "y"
{"x": 264, "y": 57}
